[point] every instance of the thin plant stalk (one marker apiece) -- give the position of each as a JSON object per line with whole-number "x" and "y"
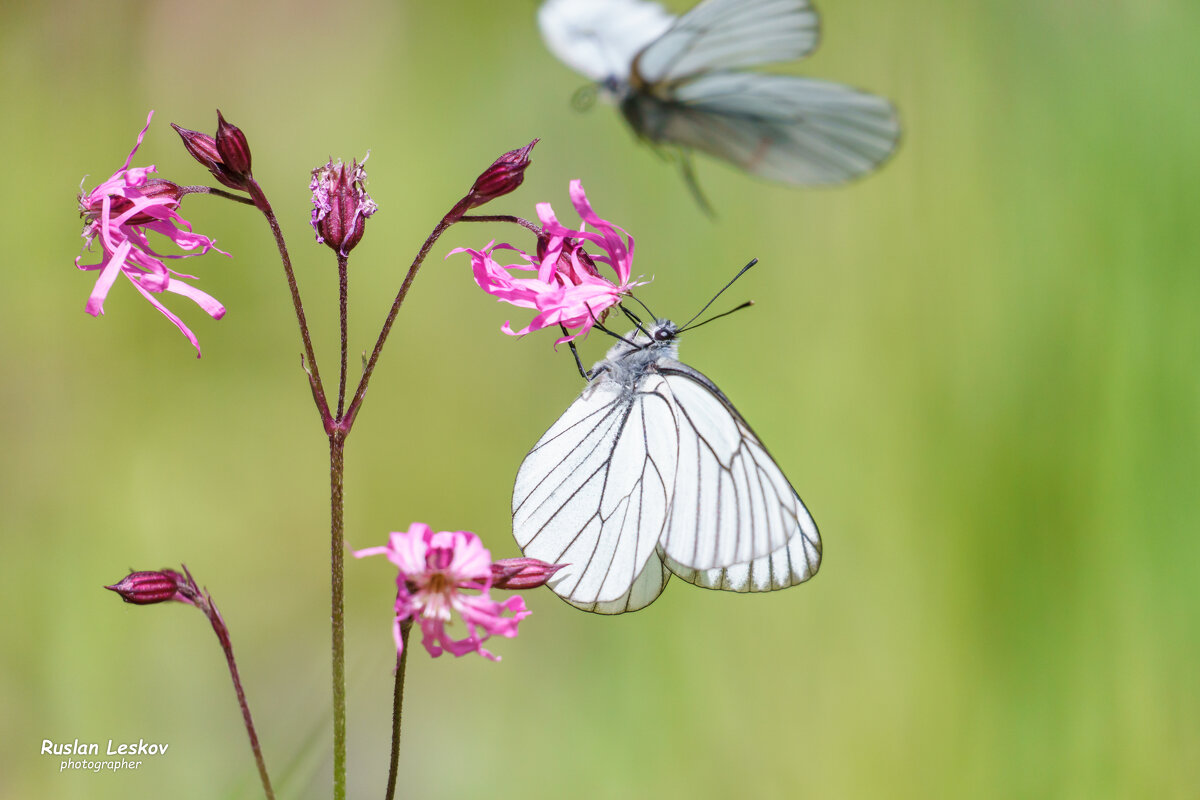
{"x": 337, "y": 460}
{"x": 343, "y": 294}
{"x": 524, "y": 223}
{"x": 397, "y": 708}
{"x": 218, "y": 624}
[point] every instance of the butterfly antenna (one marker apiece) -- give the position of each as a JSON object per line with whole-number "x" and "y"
{"x": 742, "y": 272}
{"x": 643, "y": 305}
{"x": 689, "y": 177}
{"x": 746, "y": 304}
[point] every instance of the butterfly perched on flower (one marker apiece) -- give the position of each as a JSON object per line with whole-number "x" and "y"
{"x": 652, "y": 472}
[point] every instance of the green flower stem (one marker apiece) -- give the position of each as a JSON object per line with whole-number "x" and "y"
{"x": 337, "y": 447}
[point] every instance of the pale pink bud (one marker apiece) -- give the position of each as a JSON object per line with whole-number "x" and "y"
{"x": 522, "y": 573}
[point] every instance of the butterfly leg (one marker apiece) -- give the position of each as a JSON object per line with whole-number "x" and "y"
{"x": 635, "y": 320}
{"x": 689, "y": 177}
{"x": 583, "y": 372}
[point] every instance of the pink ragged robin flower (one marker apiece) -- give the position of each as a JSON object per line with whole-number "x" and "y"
{"x": 567, "y": 289}
{"x": 441, "y": 573}
{"x": 120, "y": 213}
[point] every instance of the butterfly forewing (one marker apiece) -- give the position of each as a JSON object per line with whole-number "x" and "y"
{"x": 599, "y": 38}
{"x": 732, "y": 502}
{"x": 728, "y": 34}
{"x": 774, "y": 508}
{"x": 645, "y": 590}
{"x": 594, "y": 492}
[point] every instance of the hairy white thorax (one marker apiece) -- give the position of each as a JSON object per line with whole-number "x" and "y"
{"x": 627, "y": 363}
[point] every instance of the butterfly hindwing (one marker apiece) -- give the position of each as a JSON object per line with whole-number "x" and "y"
{"x": 782, "y": 127}
{"x": 794, "y": 563}
{"x": 595, "y": 490}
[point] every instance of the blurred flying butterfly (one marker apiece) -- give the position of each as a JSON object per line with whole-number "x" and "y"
{"x": 653, "y": 472}
{"x": 676, "y": 82}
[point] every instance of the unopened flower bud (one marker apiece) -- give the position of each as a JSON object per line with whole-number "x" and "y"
{"x": 146, "y": 588}
{"x": 341, "y": 205}
{"x": 162, "y": 190}
{"x": 570, "y": 250}
{"x": 201, "y": 146}
{"x": 166, "y": 195}
{"x": 205, "y": 149}
{"x": 234, "y": 149}
{"x": 504, "y": 175}
{"x": 522, "y": 573}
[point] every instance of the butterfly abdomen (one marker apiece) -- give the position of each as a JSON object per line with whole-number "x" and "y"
{"x": 646, "y": 115}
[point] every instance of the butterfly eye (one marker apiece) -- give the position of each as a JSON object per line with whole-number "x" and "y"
{"x": 663, "y": 335}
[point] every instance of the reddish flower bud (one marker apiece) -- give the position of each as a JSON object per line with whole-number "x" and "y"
{"x": 504, "y": 175}
{"x": 565, "y": 266}
{"x": 341, "y": 205}
{"x": 234, "y": 149}
{"x": 522, "y": 573}
{"x": 146, "y": 588}
{"x": 227, "y": 157}
{"x": 165, "y": 194}
{"x": 162, "y": 190}
{"x": 201, "y": 146}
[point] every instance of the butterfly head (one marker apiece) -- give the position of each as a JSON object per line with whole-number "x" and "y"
{"x": 635, "y": 353}
{"x": 651, "y": 340}
{"x": 663, "y": 331}
{"x": 613, "y": 87}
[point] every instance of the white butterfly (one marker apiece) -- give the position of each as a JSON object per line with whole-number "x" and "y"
{"x": 652, "y": 471}
{"x": 674, "y": 81}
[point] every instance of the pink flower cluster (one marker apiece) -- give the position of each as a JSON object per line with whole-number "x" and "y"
{"x": 441, "y": 573}
{"x": 568, "y": 289}
{"x": 120, "y": 212}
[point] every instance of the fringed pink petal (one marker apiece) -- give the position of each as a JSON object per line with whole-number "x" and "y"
{"x": 141, "y": 136}
{"x": 206, "y": 301}
{"x": 176, "y": 321}
{"x": 108, "y": 275}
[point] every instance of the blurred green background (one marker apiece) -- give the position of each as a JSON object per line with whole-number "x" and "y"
{"x": 978, "y": 367}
